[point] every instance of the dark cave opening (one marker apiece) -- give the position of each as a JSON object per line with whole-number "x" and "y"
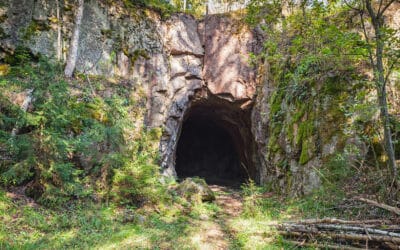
{"x": 211, "y": 147}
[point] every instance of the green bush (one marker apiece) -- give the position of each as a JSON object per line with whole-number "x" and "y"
{"x": 75, "y": 146}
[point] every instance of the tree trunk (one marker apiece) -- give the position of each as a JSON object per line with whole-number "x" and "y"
{"x": 382, "y": 96}
{"x": 387, "y": 133}
{"x": 73, "y": 48}
{"x": 377, "y": 20}
{"x": 59, "y": 45}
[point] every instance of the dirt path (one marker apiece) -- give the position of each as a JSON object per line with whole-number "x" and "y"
{"x": 229, "y": 200}
{"x": 214, "y": 233}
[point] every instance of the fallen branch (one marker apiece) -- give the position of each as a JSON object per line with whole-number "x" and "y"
{"x": 380, "y": 205}
{"x": 339, "y": 221}
{"x": 317, "y": 227}
{"x": 344, "y": 236}
{"x": 322, "y": 246}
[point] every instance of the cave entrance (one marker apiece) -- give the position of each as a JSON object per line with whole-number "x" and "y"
{"x": 212, "y": 145}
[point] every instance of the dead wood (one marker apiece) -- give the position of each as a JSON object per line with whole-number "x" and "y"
{"x": 344, "y": 236}
{"x": 380, "y": 205}
{"x": 345, "y": 228}
{"x": 322, "y": 246}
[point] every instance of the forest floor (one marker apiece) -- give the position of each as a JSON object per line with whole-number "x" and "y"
{"x": 237, "y": 219}
{"x": 216, "y": 233}
{"x": 215, "y": 225}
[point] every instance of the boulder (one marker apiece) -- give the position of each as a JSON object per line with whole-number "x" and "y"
{"x": 196, "y": 190}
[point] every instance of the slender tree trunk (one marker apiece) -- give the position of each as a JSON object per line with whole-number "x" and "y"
{"x": 380, "y": 81}
{"x": 59, "y": 45}
{"x": 387, "y": 132}
{"x": 73, "y": 48}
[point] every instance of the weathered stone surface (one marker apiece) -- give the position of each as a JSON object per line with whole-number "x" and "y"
{"x": 19, "y": 15}
{"x": 186, "y": 65}
{"x": 227, "y": 69}
{"x": 94, "y": 48}
{"x": 182, "y": 37}
{"x": 182, "y": 65}
{"x": 305, "y": 178}
{"x": 195, "y": 190}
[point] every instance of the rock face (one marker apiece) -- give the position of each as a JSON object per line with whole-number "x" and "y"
{"x": 184, "y": 65}
{"x": 227, "y": 69}
{"x": 218, "y": 76}
{"x": 187, "y": 68}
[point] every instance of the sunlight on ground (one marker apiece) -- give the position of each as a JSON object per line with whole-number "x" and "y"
{"x": 253, "y": 233}
{"x": 208, "y": 235}
{"x": 130, "y": 239}
{"x": 233, "y": 221}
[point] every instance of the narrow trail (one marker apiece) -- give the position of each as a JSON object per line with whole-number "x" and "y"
{"x": 215, "y": 232}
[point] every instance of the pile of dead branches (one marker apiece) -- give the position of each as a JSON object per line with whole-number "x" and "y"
{"x": 331, "y": 233}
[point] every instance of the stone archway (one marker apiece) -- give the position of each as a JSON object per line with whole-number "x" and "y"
{"x": 211, "y": 87}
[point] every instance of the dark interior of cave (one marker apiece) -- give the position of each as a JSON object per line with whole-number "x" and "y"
{"x": 207, "y": 149}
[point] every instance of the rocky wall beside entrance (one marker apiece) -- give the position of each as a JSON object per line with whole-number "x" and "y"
{"x": 180, "y": 64}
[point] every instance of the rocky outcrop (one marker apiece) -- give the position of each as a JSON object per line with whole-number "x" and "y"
{"x": 180, "y": 62}
{"x": 187, "y": 68}
{"x": 228, "y": 44}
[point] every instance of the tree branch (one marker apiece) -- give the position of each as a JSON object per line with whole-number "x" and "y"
{"x": 371, "y": 58}
{"x": 370, "y": 10}
{"x": 352, "y": 7}
{"x": 380, "y": 13}
{"x": 380, "y": 205}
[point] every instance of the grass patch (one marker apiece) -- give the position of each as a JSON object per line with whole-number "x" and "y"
{"x": 86, "y": 225}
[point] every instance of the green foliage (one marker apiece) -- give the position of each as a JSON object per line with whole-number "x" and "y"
{"x": 195, "y": 7}
{"x": 140, "y": 53}
{"x": 161, "y": 6}
{"x": 137, "y": 180}
{"x": 338, "y": 167}
{"x": 75, "y": 145}
{"x": 34, "y": 28}
{"x": 252, "y": 202}
{"x": 311, "y": 55}
{"x": 22, "y": 55}
{"x": 88, "y": 225}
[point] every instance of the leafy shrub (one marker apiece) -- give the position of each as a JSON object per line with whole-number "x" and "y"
{"x": 252, "y": 201}
{"x": 74, "y": 146}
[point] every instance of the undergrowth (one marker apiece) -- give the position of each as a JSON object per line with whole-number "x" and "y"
{"x": 78, "y": 139}
{"x": 88, "y": 225}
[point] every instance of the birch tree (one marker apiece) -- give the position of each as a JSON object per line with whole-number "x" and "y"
{"x": 73, "y": 48}
{"x": 59, "y": 35}
{"x": 383, "y": 55}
